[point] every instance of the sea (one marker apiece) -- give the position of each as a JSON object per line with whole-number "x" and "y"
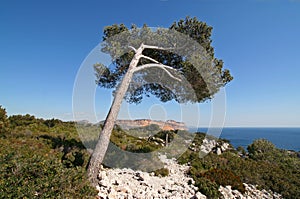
{"x": 283, "y": 138}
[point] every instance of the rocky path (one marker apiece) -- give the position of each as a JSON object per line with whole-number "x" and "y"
{"x": 127, "y": 183}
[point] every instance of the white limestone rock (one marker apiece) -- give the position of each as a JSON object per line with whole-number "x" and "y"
{"x": 126, "y": 183}
{"x": 129, "y": 184}
{"x": 251, "y": 192}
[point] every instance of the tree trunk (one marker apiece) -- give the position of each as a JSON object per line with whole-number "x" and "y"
{"x": 104, "y": 137}
{"x": 167, "y": 138}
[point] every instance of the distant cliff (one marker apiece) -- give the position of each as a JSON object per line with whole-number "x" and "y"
{"x": 164, "y": 125}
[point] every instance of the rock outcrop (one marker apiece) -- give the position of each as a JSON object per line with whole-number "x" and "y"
{"x": 209, "y": 145}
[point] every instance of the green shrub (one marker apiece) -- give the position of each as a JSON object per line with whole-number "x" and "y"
{"x": 224, "y": 178}
{"x": 4, "y": 123}
{"x": 241, "y": 150}
{"x": 262, "y": 149}
{"x": 161, "y": 172}
{"x": 268, "y": 167}
{"x": 166, "y": 134}
{"x": 41, "y": 162}
{"x": 208, "y": 187}
{"x": 32, "y": 170}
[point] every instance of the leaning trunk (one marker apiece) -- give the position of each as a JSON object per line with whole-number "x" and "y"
{"x": 104, "y": 137}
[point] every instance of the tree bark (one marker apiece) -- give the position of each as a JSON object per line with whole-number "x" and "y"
{"x": 167, "y": 138}
{"x": 104, "y": 137}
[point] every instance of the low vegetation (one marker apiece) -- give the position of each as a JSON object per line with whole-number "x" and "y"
{"x": 47, "y": 159}
{"x": 161, "y": 172}
{"x": 42, "y": 159}
{"x": 264, "y": 165}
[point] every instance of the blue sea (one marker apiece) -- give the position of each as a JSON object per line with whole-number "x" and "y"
{"x": 283, "y": 138}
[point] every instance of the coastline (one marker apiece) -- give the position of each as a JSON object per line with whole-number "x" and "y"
{"x": 283, "y": 137}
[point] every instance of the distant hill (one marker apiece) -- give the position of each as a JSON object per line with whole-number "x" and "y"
{"x": 164, "y": 125}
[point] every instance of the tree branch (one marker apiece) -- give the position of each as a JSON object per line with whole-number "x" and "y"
{"x": 161, "y": 66}
{"x": 156, "y": 47}
{"x": 132, "y": 48}
{"x": 149, "y": 58}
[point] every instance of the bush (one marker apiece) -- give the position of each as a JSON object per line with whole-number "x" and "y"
{"x": 224, "y": 178}
{"x": 45, "y": 163}
{"x": 268, "y": 167}
{"x": 241, "y": 150}
{"x": 166, "y": 134}
{"x": 32, "y": 170}
{"x": 161, "y": 172}
{"x": 4, "y": 123}
{"x": 261, "y": 149}
{"x": 208, "y": 188}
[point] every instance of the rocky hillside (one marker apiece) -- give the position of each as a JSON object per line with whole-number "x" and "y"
{"x": 129, "y": 184}
{"x": 47, "y": 159}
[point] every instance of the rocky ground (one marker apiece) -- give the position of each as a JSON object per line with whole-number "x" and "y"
{"x": 129, "y": 184}
{"x": 251, "y": 193}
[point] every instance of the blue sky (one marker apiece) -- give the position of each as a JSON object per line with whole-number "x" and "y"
{"x": 43, "y": 44}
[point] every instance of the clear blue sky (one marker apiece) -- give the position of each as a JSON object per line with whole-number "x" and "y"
{"x": 43, "y": 43}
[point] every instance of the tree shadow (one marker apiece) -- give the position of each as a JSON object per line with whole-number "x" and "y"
{"x": 74, "y": 152}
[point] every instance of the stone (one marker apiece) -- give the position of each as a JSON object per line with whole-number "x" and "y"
{"x": 129, "y": 184}
{"x": 200, "y": 195}
{"x": 126, "y": 183}
{"x": 251, "y": 192}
